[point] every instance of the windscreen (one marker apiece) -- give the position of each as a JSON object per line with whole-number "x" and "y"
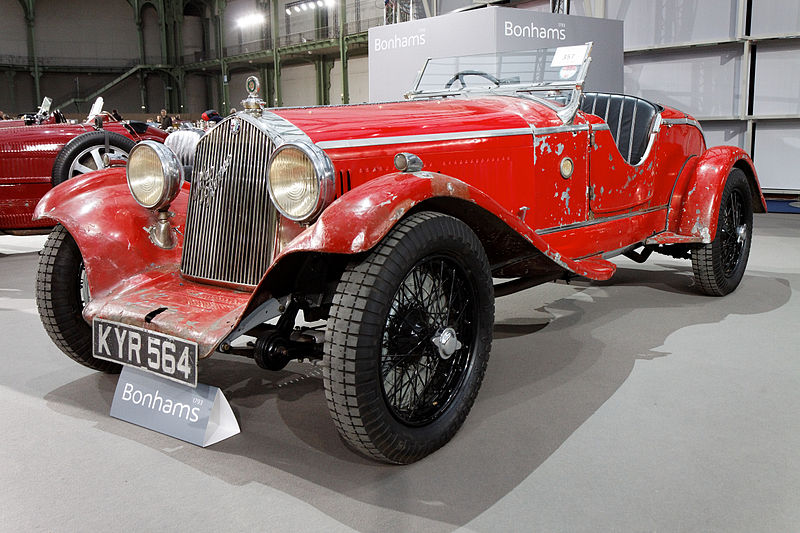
{"x": 557, "y": 67}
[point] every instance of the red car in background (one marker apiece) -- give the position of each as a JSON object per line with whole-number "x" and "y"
{"x": 35, "y": 158}
{"x": 42, "y": 116}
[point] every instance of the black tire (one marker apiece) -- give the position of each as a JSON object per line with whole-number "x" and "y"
{"x": 61, "y": 295}
{"x": 394, "y": 394}
{"x": 82, "y": 154}
{"x": 719, "y": 266}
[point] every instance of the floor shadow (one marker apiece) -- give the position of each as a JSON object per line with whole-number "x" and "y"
{"x": 554, "y": 362}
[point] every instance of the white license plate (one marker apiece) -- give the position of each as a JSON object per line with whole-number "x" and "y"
{"x": 165, "y": 355}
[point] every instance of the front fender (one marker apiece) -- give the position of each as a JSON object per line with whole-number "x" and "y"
{"x": 357, "y": 221}
{"x": 108, "y": 225}
{"x": 700, "y": 209}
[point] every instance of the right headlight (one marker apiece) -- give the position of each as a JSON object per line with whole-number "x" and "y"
{"x": 300, "y": 180}
{"x": 154, "y": 174}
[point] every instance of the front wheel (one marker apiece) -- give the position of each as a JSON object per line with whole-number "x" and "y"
{"x": 719, "y": 266}
{"x": 408, "y": 339}
{"x": 62, "y": 291}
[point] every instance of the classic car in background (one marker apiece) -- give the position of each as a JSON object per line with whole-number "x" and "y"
{"x": 389, "y": 222}
{"x": 42, "y": 116}
{"x": 35, "y": 158}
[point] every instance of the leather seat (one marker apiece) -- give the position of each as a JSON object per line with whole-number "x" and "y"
{"x": 629, "y": 118}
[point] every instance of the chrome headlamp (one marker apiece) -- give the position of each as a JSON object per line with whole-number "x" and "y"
{"x": 154, "y": 175}
{"x": 300, "y": 180}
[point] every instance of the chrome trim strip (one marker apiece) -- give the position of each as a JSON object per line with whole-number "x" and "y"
{"x": 560, "y": 129}
{"x": 656, "y": 127}
{"x": 686, "y": 122}
{"x": 577, "y": 225}
{"x": 600, "y": 127}
{"x": 431, "y": 137}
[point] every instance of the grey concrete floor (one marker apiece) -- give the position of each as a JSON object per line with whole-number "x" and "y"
{"x": 629, "y": 405}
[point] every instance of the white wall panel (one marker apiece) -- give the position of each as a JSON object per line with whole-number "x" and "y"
{"x": 99, "y": 32}
{"x": 777, "y": 154}
{"x": 777, "y": 79}
{"x": 775, "y": 17}
{"x": 703, "y": 82}
{"x": 654, "y": 22}
{"x": 725, "y": 132}
{"x": 358, "y": 70}
{"x": 298, "y": 85}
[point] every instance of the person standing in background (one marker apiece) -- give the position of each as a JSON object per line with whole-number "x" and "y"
{"x": 166, "y": 120}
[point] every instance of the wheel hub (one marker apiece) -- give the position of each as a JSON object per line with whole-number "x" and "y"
{"x": 741, "y": 232}
{"x": 447, "y": 343}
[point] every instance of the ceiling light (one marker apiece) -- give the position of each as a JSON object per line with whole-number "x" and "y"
{"x": 296, "y": 9}
{"x": 253, "y": 19}
{"x": 288, "y": 11}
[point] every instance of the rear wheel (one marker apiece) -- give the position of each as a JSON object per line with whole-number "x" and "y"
{"x": 62, "y": 292}
{"x": 719, "y": 266}
{"x": 408, "y": 339}
{"x": 85, "y": 154}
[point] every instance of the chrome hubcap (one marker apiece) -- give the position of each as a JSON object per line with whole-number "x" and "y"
{"x": 447, "y": 343}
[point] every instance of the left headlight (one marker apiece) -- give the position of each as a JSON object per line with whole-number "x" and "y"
{"x": 154, "y": 174}
{"x": 300, "y": 180}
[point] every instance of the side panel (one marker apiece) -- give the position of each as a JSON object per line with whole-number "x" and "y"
{"x": 558, "y": 201}
{"x": 358, "y": 221}
{"x": 616, "y": 185}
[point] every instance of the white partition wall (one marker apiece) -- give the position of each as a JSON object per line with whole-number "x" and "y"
{"x": 733, "y": 64}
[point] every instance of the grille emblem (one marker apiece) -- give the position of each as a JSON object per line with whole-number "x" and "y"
{"x": 209, "y": 180}
{"x": 236, "y": 125}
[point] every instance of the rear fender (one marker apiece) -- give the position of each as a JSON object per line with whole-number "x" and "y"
{"x": 699, "y": 211}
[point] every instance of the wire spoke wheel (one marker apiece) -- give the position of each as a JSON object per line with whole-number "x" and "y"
{"x": 419, "y": 375}
{"x": 719, "y": 266}
{"x": 408, "y": 339}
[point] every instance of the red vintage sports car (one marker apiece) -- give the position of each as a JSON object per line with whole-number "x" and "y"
{"x": 36, "y": 157}
{"x": 389, "y": 222}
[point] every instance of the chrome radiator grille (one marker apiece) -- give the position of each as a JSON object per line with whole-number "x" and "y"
{"x": 230, "y": 223}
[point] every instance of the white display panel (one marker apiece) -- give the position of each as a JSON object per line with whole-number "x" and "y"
{"x": 775, "y": 17}
{"x": 777, "y": 79}
{"x": 777, "y": 154}
{"x": 702, "y": 82}
{"x": 650, "y": 23}
{"x": 725, "y": 132}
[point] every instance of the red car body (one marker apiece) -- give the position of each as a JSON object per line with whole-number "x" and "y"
{"x": 673, "y": 199}
{"x": 27, "y": 155}
{"x": 546, "y": 196}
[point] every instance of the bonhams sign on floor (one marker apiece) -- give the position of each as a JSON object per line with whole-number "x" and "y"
{"x": 201, "y": 415}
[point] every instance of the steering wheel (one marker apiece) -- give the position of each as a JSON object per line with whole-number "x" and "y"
{"x": 460, "y": 77}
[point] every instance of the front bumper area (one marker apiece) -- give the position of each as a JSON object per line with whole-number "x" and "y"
{"x": 162, "y": 300}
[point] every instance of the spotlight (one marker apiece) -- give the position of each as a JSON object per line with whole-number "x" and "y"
{"x": 253, "y": 19}
{"x": 288, "y": 11}
{"x": 304, "y": 7}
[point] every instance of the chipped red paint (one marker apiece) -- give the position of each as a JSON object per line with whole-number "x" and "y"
{"x": 603, "y": 207}
{"x": 26, "y": 165}
{"x": 699, "y": 210}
